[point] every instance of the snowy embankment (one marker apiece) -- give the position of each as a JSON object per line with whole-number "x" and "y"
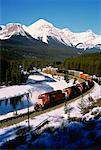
{"x": 11, "y": 91}
{"x": 56, "y": 118}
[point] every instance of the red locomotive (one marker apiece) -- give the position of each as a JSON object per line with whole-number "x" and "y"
{"x": 49, "y": 99}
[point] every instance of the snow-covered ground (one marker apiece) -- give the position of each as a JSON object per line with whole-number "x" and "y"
{"x": 11, "y": 91}
{"x": 56, "y": 117}
{"x": 37, "y": 84}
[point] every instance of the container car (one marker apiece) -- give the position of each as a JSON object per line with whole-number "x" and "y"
{"x": 74, "y": 73}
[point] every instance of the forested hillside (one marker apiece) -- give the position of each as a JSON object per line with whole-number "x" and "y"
{"x": 89, "y": 63}
{"x": 10, "y": 73}
{"x": 9, "y": 66}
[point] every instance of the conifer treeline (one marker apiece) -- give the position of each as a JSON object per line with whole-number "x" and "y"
{"x": 89, "y": 63}
{"x": 9, "y": 65}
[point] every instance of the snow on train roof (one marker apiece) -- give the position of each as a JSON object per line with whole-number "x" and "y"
{"x": 12, "y": 91}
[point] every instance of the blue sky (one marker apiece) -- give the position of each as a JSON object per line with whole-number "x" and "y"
{"x": 77, "y": 15}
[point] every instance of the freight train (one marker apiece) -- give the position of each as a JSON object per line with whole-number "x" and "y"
{"x": 49, "y": 99}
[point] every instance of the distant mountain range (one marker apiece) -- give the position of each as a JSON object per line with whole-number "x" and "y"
{"x": 44, "y": 39}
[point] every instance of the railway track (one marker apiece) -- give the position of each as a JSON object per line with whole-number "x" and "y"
{"x": 22, "y": 117}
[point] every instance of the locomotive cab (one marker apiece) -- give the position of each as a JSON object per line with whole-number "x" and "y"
{"x": 43, "y": 101}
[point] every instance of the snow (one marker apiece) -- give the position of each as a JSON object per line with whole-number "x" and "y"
{"x": 11, "y": 91}
{"x": 95, "y": 94}
{"x": 90, "y": 115}
{"x": 46, "y": 83}
{"x": 55, "y": 117}
{"x": 42, "y": 29}
{"x": 2, "y": 26}
{"x": 86, "y": 39}
{"x": 40, "y": 22}
{"x": 37, "y": 84}
{"x": 60, "y": 85}
{"x": 19, "y": 112}
{"x": 12, "y": 29}
{"x": 36, "y": 77}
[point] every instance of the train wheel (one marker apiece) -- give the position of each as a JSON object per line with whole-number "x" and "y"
{"x": 38, "y": 107}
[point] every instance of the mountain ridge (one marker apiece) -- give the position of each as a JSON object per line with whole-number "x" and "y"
{"x": 43, "y": 39}
{"x": 42, "y": 29}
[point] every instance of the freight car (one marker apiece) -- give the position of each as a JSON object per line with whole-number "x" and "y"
{"x": 74, "y": 73}
{"x": 73, "y": 91}
{"x": 79, "y": 74}
{"x": 84, "y": 76}
{"x": 87, "y": 79}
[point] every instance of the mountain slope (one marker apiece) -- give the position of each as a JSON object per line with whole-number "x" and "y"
{"x": 42, "y": 30}
{"x": 35, "y": 48}
{"x": 44, "y": 39}
{"x": 84, "y": 40}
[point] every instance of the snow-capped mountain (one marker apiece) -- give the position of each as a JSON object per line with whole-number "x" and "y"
{"x": 11, "y": 29}
{"x": 43, "y": 30}
{"x": 46, "y": 32}
{"x": 86, "y": 39}
{"x": 2, "y": 27}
